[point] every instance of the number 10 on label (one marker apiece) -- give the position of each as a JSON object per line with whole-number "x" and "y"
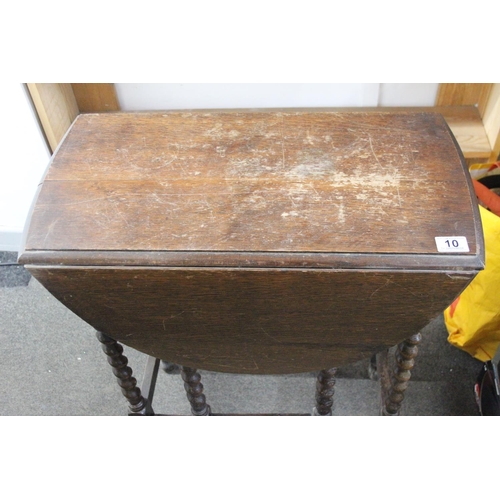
{"x": 452, "y": 244}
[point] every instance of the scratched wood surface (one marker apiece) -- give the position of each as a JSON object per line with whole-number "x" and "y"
{"x": 255, "y": 242}
{"x": 254, "y": 182}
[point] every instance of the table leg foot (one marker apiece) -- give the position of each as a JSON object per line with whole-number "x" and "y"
{"x": 123, "y": 373}
{"x": 325, "y": 389}
{"x": 194, "y": 391}
{"x": 405, "y": 361}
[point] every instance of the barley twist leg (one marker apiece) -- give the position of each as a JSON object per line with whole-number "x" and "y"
{"x": 325, "y": 389}
{"x": 194, "y": 391}
{"x": 123, "y": 373}
{"x": 405, "y": 361}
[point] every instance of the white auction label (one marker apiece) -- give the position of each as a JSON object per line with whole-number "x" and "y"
{"x": 452, "y": 244}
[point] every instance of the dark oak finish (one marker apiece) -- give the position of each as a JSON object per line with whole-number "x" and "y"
{"x": 271, "y": 241}
{"x": 405, "y": 360}
{"x": 254, "y": 320}
{"x": 194, "y": 392}
{"x": 325, "y": 389}
{"x": 254, "y": 182}
{"x": 123, "y": 374}
{"x": 170, "y": 368}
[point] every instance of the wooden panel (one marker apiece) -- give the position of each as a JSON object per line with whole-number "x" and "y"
{"x": 467, "y": 127}
{"x": 464, "y": 94}
{"x": 472, "y": 161}
{"x": 492, "y": 121}
{"x": 56, "y": 107}
{"x": 263, "y": 181}
{"x": 95, "y": 97}
{"x": 254, "y": 321}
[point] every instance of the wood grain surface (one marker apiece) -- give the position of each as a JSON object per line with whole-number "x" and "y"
{"x": 56, "y": 107}
{"x": 463, "y": 94}
{"x": 95, "y": 97}
{"x": 273, "y": 241}
{"x": 492, "y": 121}
{"x": 255, "y": 182}
{"x": 254, "y": 320}
{"x": 467, "y": 126}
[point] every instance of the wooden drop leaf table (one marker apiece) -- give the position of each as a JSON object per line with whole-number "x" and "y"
{"x": 256, "y": 242}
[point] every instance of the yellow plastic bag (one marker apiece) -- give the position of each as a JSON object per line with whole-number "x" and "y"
{"x": 482, "y": 170}
{"x": 473, "y": 319}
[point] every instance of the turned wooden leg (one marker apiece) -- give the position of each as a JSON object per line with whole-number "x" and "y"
{"x": 170, "y": 368}
{"x": 194, "y": 391}
{"x": 373, "y": 368}
{"x": 405, "y": 360}
{"x": 325, "y": 389}
{"x": 123, "y": 373}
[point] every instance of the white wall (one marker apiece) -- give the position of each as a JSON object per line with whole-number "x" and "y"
{"x": 24, "y": 158}
{"x": 25, "y": 154}
{"x": 159, "y": 96}
{"x": 408, "y": 94}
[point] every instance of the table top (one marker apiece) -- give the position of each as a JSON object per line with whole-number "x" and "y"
{"x": 256, "y": 241}
{"x": 286, "y": 187}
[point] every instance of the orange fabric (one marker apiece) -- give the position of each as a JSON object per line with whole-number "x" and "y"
{"x": 453, "y": 306}
{"x": 487, "y": 197}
